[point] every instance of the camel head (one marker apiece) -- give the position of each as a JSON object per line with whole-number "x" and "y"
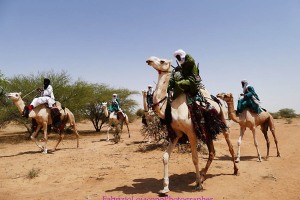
{"x": 14, "y": 96}
{"x": 144, "y": 92}
{"x": 104, "y": 105}
{"x": 228, "y": 97}
{"x": 161, "y": 65}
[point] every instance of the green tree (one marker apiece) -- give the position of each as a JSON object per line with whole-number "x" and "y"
{"x": 287, "y": 113}
{"x": 82, "y": 98}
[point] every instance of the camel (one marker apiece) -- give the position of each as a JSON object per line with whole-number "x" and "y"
{"x": 251, "y": 120}
{"x": 113, "y": 120}
{"x": 182, "y": 123}
{"x": 148, "y": 113}
{"x": 42, "y": 115}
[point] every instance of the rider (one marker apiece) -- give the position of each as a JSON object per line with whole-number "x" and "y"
{"x": 149, "y": 97}
{"x": 115, "y": 105}
{"x": 185, "y": 77}
{"x": 248, "y": 99}
{"x": 46, "y": 96}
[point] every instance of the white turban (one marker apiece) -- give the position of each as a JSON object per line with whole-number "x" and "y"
{"x": 182, "y": 55}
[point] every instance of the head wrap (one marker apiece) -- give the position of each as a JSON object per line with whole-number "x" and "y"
{"x": 182, "y": 55}
{"x": 245, "y": 85}
{"x": 46, "y": 83}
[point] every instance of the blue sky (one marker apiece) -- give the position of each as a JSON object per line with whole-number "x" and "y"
{"x": 109, "y": 42}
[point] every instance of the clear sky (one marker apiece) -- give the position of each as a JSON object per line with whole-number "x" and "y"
{"x": 102, "y": 41}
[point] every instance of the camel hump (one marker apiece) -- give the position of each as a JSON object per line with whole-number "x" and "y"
{"x": 216, "y": 99}
{"x": 58, "y": 104}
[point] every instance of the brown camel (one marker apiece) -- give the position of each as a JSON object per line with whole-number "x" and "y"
{"x": 115, "y": 119}
{"x": 181, "y": 122}
{"x": 251, "y": 120}
{"x": 42, "y": 115}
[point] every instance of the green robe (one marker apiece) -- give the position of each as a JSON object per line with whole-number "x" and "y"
{"x": 248, "y": 102}
{"x": 115, "y": 106}
{"x": 188, "y": 82}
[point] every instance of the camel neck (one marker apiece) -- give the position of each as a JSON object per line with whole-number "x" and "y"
{"x": 231, "y": 111}
{"x": 20, "y": 105}
{"x": 105, "y": 111}
{"x": 160, "y": 93}
{"x": 144, "y": 102}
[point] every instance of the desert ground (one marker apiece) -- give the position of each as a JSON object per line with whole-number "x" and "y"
{"x": 133, "y": 169}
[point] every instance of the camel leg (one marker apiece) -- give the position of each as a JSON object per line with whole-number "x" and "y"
{"x": 127, "y": 129}
{"x": 45, "y": 137}
{"x": 226, "y": 135}
{"x": 77, "y": 134}
{"x": 33, "y": 137}
{"x": 256, "y": 145}
{"x": 193, "y": 143}
{"x": 272, "y": 128}
{"x": 61, "y": 137}
{"x": 108, "y": 129}
{"x": 264, "y": 129}
{"x": 211, "y": 149}
{"x": 242, "y": 131}
{"x": 166, "y": 157}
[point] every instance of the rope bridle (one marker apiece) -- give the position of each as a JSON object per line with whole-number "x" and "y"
{"x": 29, "y": 93}
{"x": 156, "y": 104}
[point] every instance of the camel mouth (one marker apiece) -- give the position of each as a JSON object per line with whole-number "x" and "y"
{"x": 149, "y": 62}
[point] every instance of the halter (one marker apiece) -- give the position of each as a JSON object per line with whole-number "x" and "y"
{"x": 28, "y": 93}
{"x": 156, "y": 104}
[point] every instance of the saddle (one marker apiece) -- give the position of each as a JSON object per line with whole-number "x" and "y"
{"x": 120, "y": 115}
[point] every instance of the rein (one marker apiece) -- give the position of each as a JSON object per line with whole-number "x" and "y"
{"x": 29, "y": 93}
{"x": 162, "y": 100}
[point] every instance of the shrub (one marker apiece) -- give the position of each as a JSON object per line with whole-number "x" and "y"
{"x": 287, "y": 113}
{"x": 33, "y": 173}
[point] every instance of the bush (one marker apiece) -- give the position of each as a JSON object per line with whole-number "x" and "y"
{"x": 287, "y": 113}
{"x": 140, "y": 112}
{"x": 276, "y": 115}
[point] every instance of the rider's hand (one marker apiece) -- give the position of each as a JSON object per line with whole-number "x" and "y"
{"x": 39, "y": 89}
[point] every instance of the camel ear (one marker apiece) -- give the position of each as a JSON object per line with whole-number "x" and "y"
{"x": 20, "y": 93}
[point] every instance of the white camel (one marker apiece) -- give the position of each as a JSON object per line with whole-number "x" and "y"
{"x": 42, "y": 115}
{"x": 181, "y": 122}
{"x": 114, "y": 120}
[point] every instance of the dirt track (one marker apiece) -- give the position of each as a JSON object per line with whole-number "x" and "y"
{"x": 103, "y": 170}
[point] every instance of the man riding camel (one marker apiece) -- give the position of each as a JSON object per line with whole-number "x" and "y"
{"x": 248, "y": 99}
{"x": 185, "y": 78}
{"x": 115, "y": 105}
{"x": 149, "y": 97}
{"x": 46, "y": 97}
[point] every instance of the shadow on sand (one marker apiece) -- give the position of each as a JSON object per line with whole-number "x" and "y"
{"x": 179, "y": 183}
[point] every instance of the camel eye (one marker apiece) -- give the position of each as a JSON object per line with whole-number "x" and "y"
{"x": 162, "y": 62}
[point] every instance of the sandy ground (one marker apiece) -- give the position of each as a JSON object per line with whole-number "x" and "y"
{"x": 107, "y": 171}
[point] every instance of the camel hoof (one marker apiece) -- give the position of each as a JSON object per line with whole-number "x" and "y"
{"x": 164, "y": 191}
{"x": 278, "y": 155}
{"x": 41, "y": 147}
{"x": 236, "y": 172}
{"x": 267, "y": 158}
{"x": 259, "y": 160}
{"x": 45, "y": 151}
{"x": 237, "y": 160}
{"x": 198, "y": 187}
